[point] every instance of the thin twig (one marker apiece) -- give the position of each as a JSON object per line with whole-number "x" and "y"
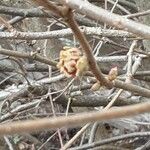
{"x": 8, "y": 143}
{"x": 58, "y": 122}
{"x": 6, "y": 24}
{"x": 113, "y": 139}
{"x": 138, "y": 14}
{"x": 54, "y": 114}
{"x": 75, "y": 137}
{"x": 47, "y": 141}
{"x": 28, "y": 55}
{"x": 12, "y": 21}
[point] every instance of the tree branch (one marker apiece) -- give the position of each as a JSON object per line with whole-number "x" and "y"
{"x": 97, "y": 13}
{"x": 113, "y": 139}
{"x": 28, "y": 55}
{"x": 133, "y": 88}
{"x": 68, "y": 121}
{"x": 33, "y": 12}
{"x": 64, "y": 33}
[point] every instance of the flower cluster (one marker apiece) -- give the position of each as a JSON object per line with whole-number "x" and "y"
{"x": 71, "y": 62}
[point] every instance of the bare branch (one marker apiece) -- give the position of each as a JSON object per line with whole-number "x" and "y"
{"x": 6, "y": 24}
{"x": 133, "y": 88}
{"x": 12, "y": 21}
{"x": 64, "y": 33}
{"x": 113, "y": 139}
{"x": 68, "y": 121}
{"x": 27, "y": 55}
{"x": 97, "y": 13}
{"x": 33, "y": 12}
{"x": 138, "y": 14}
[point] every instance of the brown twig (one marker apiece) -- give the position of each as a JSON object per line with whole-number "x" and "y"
{"x": 68, "y": 121}
{"x": 86, "y": 48}
{"x": 50, "y": 6}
